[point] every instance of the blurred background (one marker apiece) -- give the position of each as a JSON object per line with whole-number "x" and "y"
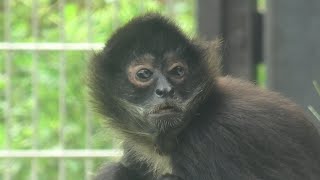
{"x": 47, "y": 129}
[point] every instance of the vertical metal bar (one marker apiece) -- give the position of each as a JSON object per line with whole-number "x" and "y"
{"x": 115, "y": 25}
{"x": 62, "y": 90}
{"x": 115, "y": 17}
{"x": 141, "y": 6}
{"x": 8, "y": 109}
{"x": 35, "y": 108}
{"x": 170, "y": 8}
{"x": 88, "y": 162}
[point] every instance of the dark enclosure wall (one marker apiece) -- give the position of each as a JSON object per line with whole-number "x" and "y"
{"x": 235, "y": 22}
{"x": 292, "y": 49}
{"x": 289, "y": 34}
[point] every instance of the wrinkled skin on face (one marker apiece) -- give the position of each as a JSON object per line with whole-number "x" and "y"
{"x": 161, "y": 88}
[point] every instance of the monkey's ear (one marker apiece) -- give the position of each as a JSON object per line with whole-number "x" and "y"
{"x": 212, "y": 51}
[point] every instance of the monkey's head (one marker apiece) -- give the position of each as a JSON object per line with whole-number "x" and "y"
{"x": 150, "y": 77}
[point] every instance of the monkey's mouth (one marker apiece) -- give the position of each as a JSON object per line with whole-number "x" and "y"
{"x": 166, "y": 116}
{"x": 164, "y": 109}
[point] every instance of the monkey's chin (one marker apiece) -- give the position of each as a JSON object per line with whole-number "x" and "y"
{"x": 166, "y": 120}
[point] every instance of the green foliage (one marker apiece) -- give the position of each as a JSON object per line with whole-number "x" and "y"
{"x": 261, "y": 5}
{"x": 312, "y": 109}
{"x": 38, "y": 76}
{"x": 261, "y": 75}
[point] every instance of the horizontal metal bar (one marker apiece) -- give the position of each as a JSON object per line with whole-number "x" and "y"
{"x": 59, "y": 153}
{"x": 8, "y": 46}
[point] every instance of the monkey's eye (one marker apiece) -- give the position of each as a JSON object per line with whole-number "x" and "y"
{"x": 178, "y": 71}
{"x": 144, "y": 74}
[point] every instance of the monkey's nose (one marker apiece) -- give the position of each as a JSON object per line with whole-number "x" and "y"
{"x": 163, "y": 92}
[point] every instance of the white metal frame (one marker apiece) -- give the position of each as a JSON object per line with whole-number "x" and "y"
{"x": 62, "y": 153}
{"x": 8, "y": 46}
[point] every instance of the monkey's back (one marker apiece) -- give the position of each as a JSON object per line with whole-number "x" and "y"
{"x": 243, "y": 132}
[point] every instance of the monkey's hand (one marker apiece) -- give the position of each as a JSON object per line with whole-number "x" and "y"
{"x": 169, "y": 177}
{"x": 114, "y": 171}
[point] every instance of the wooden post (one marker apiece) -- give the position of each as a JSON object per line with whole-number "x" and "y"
{"x": 209, "y": 19}
{"x": 234, "y": 22}
{"x": 292, "y": 49}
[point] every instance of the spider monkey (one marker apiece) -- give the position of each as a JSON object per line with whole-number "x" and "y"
{"x": 180, "y": 119}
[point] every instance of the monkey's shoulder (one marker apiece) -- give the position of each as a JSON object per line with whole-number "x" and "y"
{"x": 247, "y": 96}
{"x": 254, "y": 109}
{"x": 244, "y": 103}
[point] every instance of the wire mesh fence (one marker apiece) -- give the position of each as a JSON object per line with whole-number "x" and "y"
{"x": 47, "y": 129}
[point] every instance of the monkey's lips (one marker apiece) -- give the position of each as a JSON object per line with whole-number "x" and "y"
{"x": 164, "y": 109}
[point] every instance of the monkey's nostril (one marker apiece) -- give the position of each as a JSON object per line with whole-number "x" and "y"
{"x": 159, "y": 92}
{"x": 171, "y": 92}
{"x": 164, "y": 92}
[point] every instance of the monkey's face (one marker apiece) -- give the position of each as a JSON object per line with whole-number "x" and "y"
{"x": 158, "y": 88}
{"x": 161, "y": 89}
{"x": 149, "y": 77}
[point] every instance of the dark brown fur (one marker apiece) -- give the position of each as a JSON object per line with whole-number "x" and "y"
{"x": 229, "y": 129}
